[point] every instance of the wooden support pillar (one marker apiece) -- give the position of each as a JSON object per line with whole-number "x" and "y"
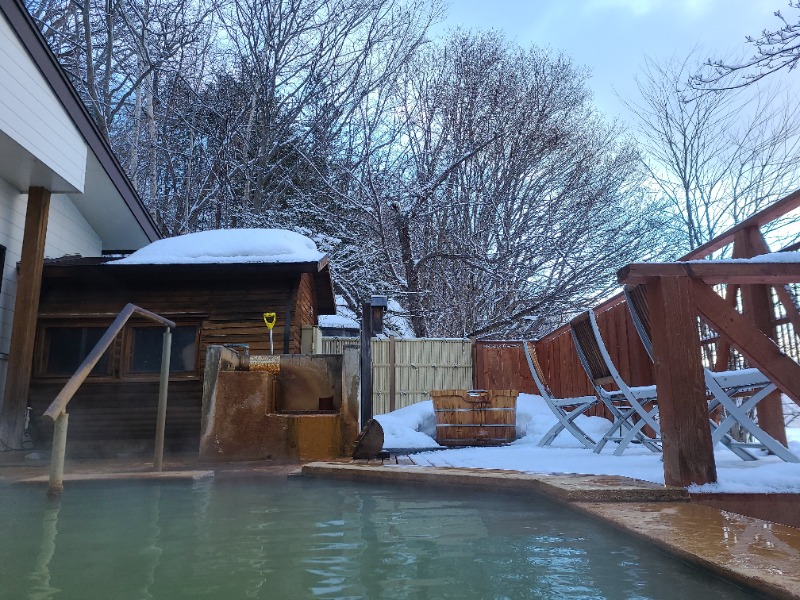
{"x": 26, "y": 308}
{"x": 757, "y": 307}
{"x": 683, "y": 408}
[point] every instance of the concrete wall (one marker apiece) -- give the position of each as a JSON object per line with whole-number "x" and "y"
{"x": 261, "y": 415}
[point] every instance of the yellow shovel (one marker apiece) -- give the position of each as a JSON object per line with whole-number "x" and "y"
{"x": 269, "y": 321}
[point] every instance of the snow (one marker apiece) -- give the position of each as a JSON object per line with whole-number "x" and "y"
{"x": 772, "y": 257}
{"x": 227, "y": 246}
{"x": 415, "y": 426}
{"x": 344, "y": 318}
{"x": 338, "y": 322}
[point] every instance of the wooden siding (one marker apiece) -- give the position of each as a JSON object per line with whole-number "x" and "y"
{"x": 67, "y": 233}
{"x": 108, "y": 410}
{"x": 32, "y": 115}
{"x": 226, "y": 313}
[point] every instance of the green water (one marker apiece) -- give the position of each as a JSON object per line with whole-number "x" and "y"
{"x": 315, "y": 539}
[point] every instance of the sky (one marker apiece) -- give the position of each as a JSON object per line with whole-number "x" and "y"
{"x": 612, "y": 37}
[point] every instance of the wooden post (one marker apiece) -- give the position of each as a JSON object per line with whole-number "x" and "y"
{"x": 158, "y": 459}
{"x": 392, "y": 375}
{"x": 366, "y": 363}
{"x": 757, "y": 307}
{"x": 26, "y": 308}
{"x": 683, "y": 408}
{"x": 56, "y": 484}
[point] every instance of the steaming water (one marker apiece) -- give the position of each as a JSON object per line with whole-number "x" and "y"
{"x": 315, "y": 539}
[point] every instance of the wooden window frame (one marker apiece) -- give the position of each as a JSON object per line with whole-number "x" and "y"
{"x": 41, "y": 352}
{"x": 126, "y": 356}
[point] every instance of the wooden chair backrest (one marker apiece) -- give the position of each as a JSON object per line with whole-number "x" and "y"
{"x": 538, "y": 374}
{"x": 589, "y": 351}
{"x": 636, "y": 299}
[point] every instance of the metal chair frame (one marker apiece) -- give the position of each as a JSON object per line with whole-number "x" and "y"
{"x": 566, "y": 410}
{"x": 722, "y": 387}
{"x": 626, "y": 405}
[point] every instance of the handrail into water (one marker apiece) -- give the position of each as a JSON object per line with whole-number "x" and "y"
{"x": 57, "y": 411}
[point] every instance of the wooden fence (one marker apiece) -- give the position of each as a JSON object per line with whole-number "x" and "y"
{"x": 404, "y": 371}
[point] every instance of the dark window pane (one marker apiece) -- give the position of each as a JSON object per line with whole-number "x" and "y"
{"x": 66, "y": 348}
{"x": 147, "y": 342}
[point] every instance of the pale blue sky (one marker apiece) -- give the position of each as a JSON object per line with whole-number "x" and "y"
{"x": 611, "y": 37}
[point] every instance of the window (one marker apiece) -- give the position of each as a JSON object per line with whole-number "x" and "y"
{"x": 66, "y": 347}
{"x": 146, "y": 349}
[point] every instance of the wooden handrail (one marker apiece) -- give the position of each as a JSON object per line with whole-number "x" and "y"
{"x": 59, "y": 405}
{"x": 57, "y": 411}
{"x": 767, "y": 215}
{"x": 713, "y": 272}
{"x": 762, "y": 217}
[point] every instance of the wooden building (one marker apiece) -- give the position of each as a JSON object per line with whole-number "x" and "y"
{"x": 210, "y": 304}
{"x": 62, "y": 191}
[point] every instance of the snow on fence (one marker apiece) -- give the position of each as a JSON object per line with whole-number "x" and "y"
{"x": 404, "y": 371}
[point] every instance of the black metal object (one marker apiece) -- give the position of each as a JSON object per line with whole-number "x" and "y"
{"x": 366, "y": 363}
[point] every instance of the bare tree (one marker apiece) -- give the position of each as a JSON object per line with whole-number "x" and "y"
{"x": 775, "y": 51}
{"x": 111, "y": 48}
{"x": 495, "y": 197}
{"x": 714, "y": 158}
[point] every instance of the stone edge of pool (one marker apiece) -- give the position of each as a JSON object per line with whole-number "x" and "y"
{"x": 750, "y": 552}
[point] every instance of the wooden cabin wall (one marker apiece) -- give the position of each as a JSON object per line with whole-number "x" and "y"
{"x": 122, "y": 405}
{"x": 305, "y": 307}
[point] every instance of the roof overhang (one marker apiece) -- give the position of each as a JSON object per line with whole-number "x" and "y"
{"x": 108, "y": 201}
{"x": 98, "y": 273}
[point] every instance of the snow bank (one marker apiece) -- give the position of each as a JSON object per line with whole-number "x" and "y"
{"x": 415, "y": 426}
{"x": 410, "y": 427}
{"x": 227, "y": 246}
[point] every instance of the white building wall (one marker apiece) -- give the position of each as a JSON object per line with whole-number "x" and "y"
{"x": 67, "y": 233}
{"x": 31, "y": 114}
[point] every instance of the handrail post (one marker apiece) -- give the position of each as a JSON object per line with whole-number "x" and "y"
{"x": 158, "y": 460}
{"x": 56, "y": 484}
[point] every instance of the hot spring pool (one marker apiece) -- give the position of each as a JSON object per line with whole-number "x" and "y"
{"x": 302, "y": 538}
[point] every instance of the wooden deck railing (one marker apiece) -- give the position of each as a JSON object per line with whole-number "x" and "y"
{"x": 758, "y": 290}
{"x": 57, "y": 411}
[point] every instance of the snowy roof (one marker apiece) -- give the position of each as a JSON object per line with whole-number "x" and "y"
{"x": 227, "y": 246}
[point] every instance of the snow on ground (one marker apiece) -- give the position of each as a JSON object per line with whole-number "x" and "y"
{"x": 415, "y": 427}
{"x": 227, "y": 246}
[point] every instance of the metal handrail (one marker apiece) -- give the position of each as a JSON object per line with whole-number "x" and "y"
{"x": 57, "y": 411}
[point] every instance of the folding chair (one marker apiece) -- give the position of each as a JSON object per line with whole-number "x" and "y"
{"x": 566, "y": 410}
{"x": 722, "y": 387}
{"x": 627, "y": 405}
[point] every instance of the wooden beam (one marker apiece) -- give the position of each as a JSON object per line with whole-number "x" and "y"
{"x": 758, "y": 309}
{"x": 760, "y": 350}
{"x": 26, "y": 307}
{"x": 723, "y": 345}
{"x": 711, "y": 272}
{"x": 683, "y": 408}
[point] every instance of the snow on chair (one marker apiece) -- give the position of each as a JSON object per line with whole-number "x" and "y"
{"x": 722, "y": 387}
{"x": 628, "y": 405}
{"x": 566, "y": 410}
